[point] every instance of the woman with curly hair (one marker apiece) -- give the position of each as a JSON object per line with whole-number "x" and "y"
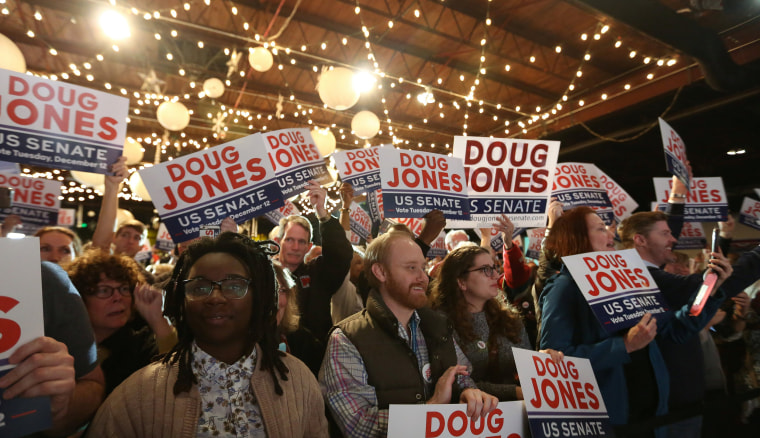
{"x": 112, "y": 288}
{"x": 486, "y": 328}
{"x": 226, "y": 375}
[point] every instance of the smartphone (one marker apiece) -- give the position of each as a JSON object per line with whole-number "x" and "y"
{"x": 715, "y": 235}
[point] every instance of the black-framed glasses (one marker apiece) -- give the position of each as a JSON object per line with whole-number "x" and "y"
{"x": 106, "y": 292}
{"x": 488, "y": 270}
{"x": 232, "y": 287}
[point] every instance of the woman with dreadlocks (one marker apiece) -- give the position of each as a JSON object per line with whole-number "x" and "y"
{"x": 225, "y": 376}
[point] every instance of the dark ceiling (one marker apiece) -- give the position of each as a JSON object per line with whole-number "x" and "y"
{"x": 526, "y": 60}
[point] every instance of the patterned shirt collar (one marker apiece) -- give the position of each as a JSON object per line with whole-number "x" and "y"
{"x": 206, "y": 366}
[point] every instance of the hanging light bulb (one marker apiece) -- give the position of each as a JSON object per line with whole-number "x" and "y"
{"x": 426, "y": 96}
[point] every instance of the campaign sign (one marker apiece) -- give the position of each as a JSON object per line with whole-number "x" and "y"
{"x": 623, "y": 205}
{"x": 692, "y": 236}
{"x": 577, "y": 184}
{"x": 438, "y": 247}
{"x": 561, "y": 399}
{"x": 230, "y": 180}
{"x": 675, "y": 152}
{"x": 286, "y": 210}
{"x": 66, "y": 217}
{"x": 496, "y": 241}
{"x": 414, "y": 183}
{"x": 507, "y": 420}
{"x": 55, "y": 124}
{"x": 6, "y": 167}
{"x": 618, "y": 287}
{"x": 360, "y": 223}
{"x": 360, "y": 168}
{"x": 535, "y": 239}
{"x": 375, "y": 205}
{"x": 295, "y": 159}
{"x": 749, "y": 215}
{"x": 35, "y": 200}
{"x": 508, "y": 176}
{"x": 414, "y": 223}
{"x": 164, "y": 240}
{"x": 705, "y": 202}
{"x": 20, "y": 322}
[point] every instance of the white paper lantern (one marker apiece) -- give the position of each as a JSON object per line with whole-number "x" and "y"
{"x": 89, "y": 179}
{"x": 138, "y": 187}
{"x": 133, "y": 151}
{"x": 336, "y": 88}
{"x": 365, "y": 124}
{"x": 11, "y": 59}
{"x": 324, "y": 140}
{"x": 213, "y": 87}
{"x": 260, "y": 59}
{"x": 173, "y": 116}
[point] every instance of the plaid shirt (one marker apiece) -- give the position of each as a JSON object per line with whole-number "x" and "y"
{"x": 352, "y": 399}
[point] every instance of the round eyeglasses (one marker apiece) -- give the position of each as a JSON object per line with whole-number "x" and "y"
{"x": 105, "y": 292}
{"x": 488, "y": 270}
{"x": 231, "y": 287}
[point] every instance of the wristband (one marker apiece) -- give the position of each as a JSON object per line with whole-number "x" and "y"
{"x": 678, "y": 195}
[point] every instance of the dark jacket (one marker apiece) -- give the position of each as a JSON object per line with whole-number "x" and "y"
{"x": 392, "y": 366}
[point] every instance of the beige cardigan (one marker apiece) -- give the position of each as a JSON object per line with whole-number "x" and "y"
{"x": 144, "y": 405}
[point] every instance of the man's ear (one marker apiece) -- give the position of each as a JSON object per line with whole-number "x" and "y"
{"x": 311, "y": 244}
{"x": 639, "y": 240}
{"x": 379, "y": 271}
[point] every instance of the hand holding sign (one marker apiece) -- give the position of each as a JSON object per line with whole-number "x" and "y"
{"x": 434, "y": 223}
{"x": 317, "y": 196}
{"x": 507, "y": 228}
{"x": 346, "y": 193}
{"x": 640, "y": 335}
{"x": 442, "y": 394}
{"x": 44, "y": 367}
{"x": 554, "y": 211}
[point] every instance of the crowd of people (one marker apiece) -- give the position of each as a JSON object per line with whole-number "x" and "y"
{"x": 283, "y": 338}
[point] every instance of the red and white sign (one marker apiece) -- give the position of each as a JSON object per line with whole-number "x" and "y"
{"x": 55, "y": 124}
{"x": 692, "y": 236}
{"x": 617, "y": 286}
{"x": 20, "y": 295}
{"x": 414, "y": 183}
{"x": 414, "y": 223}
{"x": 234, "y": 180}
{"x": 360, "y": 168}
{"x": 164, "y": 240}
{"x": 35, "y": 201}
{"x": 749, "y": 214}
{"x": 705, "y": 202}
{"x": 286, "y": 210}
{"x": 295, "y": 159}
{"x": 623, "y": 205}
{"x": 577, "y": 184}
{"x": 508, "y": 176}
{"x": 438, "y": 247}
{"x": 360, "y": 222}
{"x": 66, "y": 217}
{"x": 507, "y": 420}
{"x": 675, "y": 152}
{"x": 535, "y": 238}
{"x": 561, "y": 398}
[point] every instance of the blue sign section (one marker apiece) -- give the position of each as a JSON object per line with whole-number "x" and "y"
{"x": 23, "y": 416}
{"x": 185, "y": 225}
{"x": 561, "y": 424}
{"x": 675, "y": 167}
{"x": 625, "y": 309}
{"x": 359, "y": 230}
{"x": 508, "y": 206}
{"x": 373, "y": 204}
{"x": 32, "y": 219}
{"x": 364, "y": 183}
{"x": 405, "y": 204}
{"x": 702, "y": 212}
{"x": 749, "y": 221}
{"x": 62, "y": 152}
{"x": 293, "y": 182}
{"x": 165, "y": 245}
